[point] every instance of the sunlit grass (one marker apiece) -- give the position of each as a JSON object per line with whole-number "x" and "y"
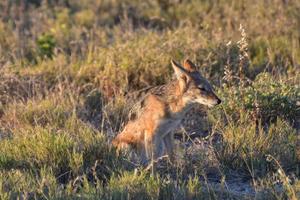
{"x": 67, "y": 69}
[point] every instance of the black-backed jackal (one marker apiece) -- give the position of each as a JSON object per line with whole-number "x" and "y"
{"x": 162, "y": 110}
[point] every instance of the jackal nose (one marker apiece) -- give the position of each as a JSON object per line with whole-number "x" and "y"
{"x": 219, "y": 101}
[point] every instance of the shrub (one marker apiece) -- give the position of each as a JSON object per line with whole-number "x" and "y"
{"x": 265, "y": 99}
{"x": 46, "y": 44}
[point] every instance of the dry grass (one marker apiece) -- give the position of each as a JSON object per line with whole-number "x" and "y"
{"x": 68, "y": 67}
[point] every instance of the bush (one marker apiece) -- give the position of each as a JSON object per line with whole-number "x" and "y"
{"x": 46, "y": 44}
{"x": 265, "y": 99}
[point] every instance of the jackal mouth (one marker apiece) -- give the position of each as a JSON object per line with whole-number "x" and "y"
{"x": 213, "y": 105}
{"x": 216, "y": 102}
{"x": 213, "y": 100}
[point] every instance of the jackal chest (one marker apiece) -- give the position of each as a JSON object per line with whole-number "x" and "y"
{"x": 171, "y": 121}
{"x": 166, "y": 126}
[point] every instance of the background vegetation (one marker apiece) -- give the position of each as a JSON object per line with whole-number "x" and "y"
{"x": 66, "y": 67}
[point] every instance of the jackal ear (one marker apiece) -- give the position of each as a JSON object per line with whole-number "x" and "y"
{"x": 189, "y": 65}
{"x": 180, "y": 72}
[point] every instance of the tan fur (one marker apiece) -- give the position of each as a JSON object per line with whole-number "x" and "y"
{"x": 162, "y": 110}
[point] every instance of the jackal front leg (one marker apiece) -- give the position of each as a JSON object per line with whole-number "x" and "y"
{"x": 153, "y": 147}
{"x": 148, "y": 141}
{"x": 169, "y": 145}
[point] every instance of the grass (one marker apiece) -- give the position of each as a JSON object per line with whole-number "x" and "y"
{"x": 68, "y": 67}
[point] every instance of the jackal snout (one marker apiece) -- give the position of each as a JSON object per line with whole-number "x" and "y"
{"x": 208, "y": 98}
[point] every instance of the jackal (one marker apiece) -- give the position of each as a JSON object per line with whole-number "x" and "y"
{"x": 162, "y": 110}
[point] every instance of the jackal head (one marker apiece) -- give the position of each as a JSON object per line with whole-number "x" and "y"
{"x": 194, "y": 87}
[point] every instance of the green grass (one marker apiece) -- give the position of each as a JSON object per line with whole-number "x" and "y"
{"x": 67, "y": 66}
